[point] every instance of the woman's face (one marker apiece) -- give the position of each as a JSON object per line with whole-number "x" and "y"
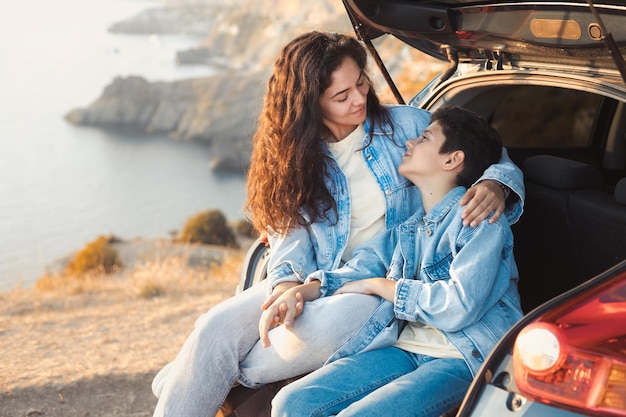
{"x": 344, "y": 103}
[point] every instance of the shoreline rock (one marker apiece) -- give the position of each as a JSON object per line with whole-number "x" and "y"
{"x": 221, "y": 110}
{"x": 240, "y": 40}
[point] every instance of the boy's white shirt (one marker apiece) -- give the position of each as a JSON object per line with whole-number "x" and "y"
{"x": 420, "y": 338}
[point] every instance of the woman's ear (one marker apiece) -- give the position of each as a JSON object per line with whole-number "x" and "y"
{"x": 454, "y": 160}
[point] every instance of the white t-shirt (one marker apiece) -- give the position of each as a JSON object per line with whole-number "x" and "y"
{"x": 420, "y": 338}
{"x": 367, "y": 200}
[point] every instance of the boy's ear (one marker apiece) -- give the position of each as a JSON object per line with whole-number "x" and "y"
{"x": 454, "y": 160}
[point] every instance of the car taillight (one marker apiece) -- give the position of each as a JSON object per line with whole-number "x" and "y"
{"x": 575, "y": 356}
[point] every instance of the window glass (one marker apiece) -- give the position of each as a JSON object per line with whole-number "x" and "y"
{"x": 546, "y": 117}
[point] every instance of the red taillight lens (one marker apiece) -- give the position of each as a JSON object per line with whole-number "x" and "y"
{"x": 567, "y": 376}
{"x": 539, "y": 348}
{"x": 576, "y": 356}
{"x": 614, "y": 396}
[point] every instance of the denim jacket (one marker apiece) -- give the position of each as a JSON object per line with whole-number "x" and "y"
{"x": 320, "y": 246}
{"x": 459, "y": 279}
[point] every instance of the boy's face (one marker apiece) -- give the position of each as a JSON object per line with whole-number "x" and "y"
{"x": 422, "y": 156}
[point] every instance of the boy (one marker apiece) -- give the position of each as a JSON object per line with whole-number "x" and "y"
{"x": 455, "y": 286}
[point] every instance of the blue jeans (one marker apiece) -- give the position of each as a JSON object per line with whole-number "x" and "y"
{"x": 388, "y": 381}
{"x": 224, "y": 348}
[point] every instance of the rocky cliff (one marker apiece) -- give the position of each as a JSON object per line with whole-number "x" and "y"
{"x": 221, "y": 110}
{"x": 241, "y": 38}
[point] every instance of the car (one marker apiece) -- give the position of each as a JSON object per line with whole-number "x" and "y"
{"x": 550, "y": 77}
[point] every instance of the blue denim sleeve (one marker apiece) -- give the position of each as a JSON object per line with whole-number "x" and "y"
{"x": 408, "y": 122}
{"x": 477, "y": 275}
{"x": 292, "y": 257}
{"x": 507, "y": 173}
{"x": 369, "y": 260}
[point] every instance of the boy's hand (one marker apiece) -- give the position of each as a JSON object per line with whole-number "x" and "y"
{"x": 482, "y": 199}
{"x": 284, "y": 310}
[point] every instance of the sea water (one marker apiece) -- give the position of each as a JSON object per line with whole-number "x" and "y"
{"x": 62, "y": 186}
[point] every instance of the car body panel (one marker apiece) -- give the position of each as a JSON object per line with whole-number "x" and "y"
{"x": 494, "y": 391}
{"x": 538, "y": 31}
{"x": 431, "y": 97}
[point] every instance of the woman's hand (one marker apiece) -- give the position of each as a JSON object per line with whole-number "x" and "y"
{"x": 283, "y": 310}
{"x": 482, "y": 199}
{"x": 285, "y": 305}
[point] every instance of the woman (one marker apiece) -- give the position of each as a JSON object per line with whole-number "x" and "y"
{"x": 323, "y": 180}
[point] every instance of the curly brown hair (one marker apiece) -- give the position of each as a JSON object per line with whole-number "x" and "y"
{"x": 288, "y": 164}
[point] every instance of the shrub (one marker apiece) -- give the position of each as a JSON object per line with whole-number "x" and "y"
{"x": 244, "y": 228}
{"x": 150, "y": 290}
{"x": 98, "y": 255}
{"x": 208, "y": 227}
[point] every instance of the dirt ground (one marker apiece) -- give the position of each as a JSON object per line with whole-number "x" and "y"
{"x": 93, "y": 351}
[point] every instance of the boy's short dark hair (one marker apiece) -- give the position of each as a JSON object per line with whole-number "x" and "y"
{"x": 468, "y": 132}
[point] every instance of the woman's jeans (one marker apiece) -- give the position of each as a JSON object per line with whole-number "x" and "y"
{"x": 224, "y": 348}
{"x": 388, "y": 381}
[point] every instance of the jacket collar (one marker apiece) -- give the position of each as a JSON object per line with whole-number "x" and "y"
{"x": 441, "y": 209}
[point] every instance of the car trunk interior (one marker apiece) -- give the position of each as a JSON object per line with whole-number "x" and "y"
{"x": 574, "y": 219}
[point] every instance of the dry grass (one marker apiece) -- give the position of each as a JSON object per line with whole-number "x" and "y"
{"x": 173, "y": 275}
{"x": 91, "y": 346}
{"x": 151, "y": 268}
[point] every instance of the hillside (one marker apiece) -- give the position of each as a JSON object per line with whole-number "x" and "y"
{"x": 92, "y": 349}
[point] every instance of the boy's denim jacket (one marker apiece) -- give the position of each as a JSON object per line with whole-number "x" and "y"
{"x": 320, "y": 246}
{"x": 459, "y": 279}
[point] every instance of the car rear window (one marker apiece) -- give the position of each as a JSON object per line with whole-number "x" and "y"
{"x": 546, "y": 117}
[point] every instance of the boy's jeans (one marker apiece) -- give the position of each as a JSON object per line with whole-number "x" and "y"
{"x": 222, "y": 349}
{"x": 388, "y": 381}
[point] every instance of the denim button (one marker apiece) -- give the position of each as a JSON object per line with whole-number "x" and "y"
{"x": 388, "y": 192}
{"x": 429, "y": 232}
{"x": 476, "y": 354}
